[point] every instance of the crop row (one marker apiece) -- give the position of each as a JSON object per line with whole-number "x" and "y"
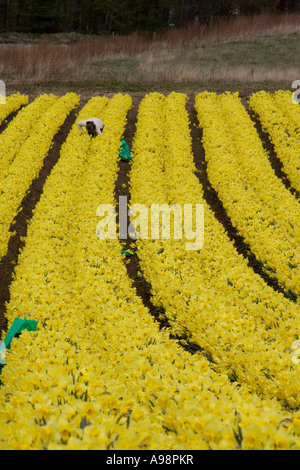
{"x": 12, "y": 104}
{"x": 24, "y": 157}
{"x": 280, "y": 119}
{"x": 19, "y": 129}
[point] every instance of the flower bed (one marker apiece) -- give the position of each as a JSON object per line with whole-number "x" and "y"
{"x": 280, "y": 118}
{"x": 28, "y": 161}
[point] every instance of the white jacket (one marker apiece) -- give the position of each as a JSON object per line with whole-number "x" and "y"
{"x": 98, "y": 123}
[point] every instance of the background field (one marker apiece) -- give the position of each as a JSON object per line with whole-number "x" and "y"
{"x": 243, "y": 54}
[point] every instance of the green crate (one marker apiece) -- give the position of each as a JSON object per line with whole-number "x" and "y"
{"x": 15, "y": 330}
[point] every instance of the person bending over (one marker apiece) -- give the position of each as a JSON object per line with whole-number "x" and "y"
{"x": 94, "y": 126}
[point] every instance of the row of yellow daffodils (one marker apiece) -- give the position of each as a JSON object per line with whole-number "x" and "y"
{"x": 28, "y": 161}
{"x": 98, "y": 373}
{"x": 264, "y": 212}
{"x": 211, "y": 298}
{"x": 19, "y": 130}
{"x": 280, "y": 118}
{"x": 12, "y": 104}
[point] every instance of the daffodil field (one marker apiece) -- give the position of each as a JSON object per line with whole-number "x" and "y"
{"x": 100, "y": 372}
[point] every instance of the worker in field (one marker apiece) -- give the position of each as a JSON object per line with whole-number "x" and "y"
{"x": 94, "y": 126}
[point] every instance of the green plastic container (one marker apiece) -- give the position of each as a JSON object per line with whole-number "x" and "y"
{"x": 17, "y": 327}
{"x": 124, "y": 151}
{"x": 128, "y": 252}
{"x": 15, "y": 330}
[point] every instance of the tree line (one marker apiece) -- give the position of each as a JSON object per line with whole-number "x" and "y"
{"x": 125, "y": 16}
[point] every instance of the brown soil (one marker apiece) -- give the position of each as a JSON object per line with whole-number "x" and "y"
{"x": 8, "y": 263}
{"x": 132, "y": 264}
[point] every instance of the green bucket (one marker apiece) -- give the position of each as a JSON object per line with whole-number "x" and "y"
{"x": 15, "y": 330}
{"x": 124, "y": 152}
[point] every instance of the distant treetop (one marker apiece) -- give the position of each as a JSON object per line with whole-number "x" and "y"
{"x": 125, "y": 16}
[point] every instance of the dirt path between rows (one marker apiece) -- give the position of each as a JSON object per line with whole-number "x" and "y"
{"x": 8, "y": 263}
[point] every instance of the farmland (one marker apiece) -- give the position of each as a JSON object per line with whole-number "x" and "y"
{"x": 169, "y": 348}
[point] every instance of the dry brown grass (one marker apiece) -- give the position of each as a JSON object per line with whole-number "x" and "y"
{"x": 236, "y": 28}
{"x": 49, "y": 61}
